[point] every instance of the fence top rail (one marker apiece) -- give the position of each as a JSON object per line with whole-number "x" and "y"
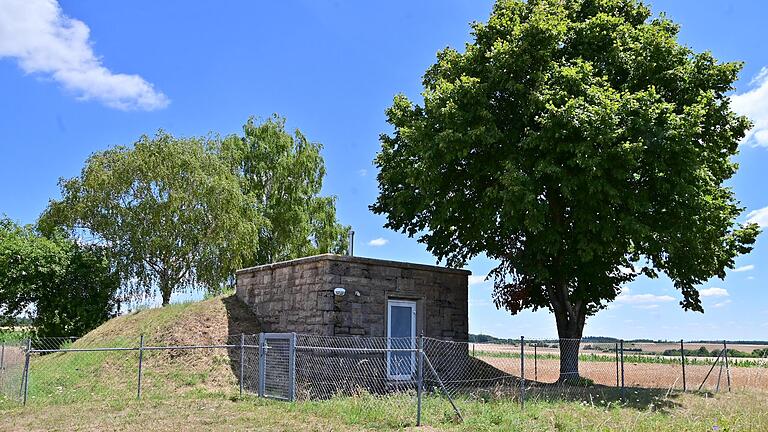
{"x": 352, "y": 349}
{"x": 144, "y": 348}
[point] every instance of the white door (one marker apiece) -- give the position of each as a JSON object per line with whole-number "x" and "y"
{"x": 401, "y": 335}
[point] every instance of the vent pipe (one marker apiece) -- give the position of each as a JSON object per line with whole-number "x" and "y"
{"x": 351, "y": 245}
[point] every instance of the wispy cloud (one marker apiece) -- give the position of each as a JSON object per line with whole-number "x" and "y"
{"x": 479, "y": 303}
{"x": 362, "y": 172}
{"x": 477, "y": 279}
{"x": 714, "y": 292}
{"x": 747, "y": 267}
{"x": 45, "y": 41}
{"x": 753, "y": 103}
{"x": 381, "y": 241}
{"x": 759, "y": 216}
{"x": 628, "y": 298}
{"x": 723, "y": 303}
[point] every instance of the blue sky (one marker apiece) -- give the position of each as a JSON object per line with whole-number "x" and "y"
{"x": 80, "y": 76}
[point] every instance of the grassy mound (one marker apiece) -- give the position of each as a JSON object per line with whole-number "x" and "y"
{"x": 72, "y": 376}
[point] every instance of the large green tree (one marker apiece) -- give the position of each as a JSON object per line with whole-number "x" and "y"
{"x": 578, "y": 144}
{"x": 170, "y": 210}
{"x": 283, "y": 174}
{"x": 67, "y": 287}
{"x": 179, "y": 213}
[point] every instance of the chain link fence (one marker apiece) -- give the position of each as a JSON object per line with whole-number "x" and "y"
{"x": 11, "y": 369}
{"x": 291, "y": 367}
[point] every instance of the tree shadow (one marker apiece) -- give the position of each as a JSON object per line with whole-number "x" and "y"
{"x": 642, "y": 399}
{"x": 484, "y": 381}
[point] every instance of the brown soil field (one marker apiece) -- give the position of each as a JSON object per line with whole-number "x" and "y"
{"x": 654, "y": 347}
{"x": 646, "y": 375}
{"x": 646, "y": 348}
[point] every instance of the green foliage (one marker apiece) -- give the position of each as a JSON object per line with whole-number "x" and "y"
{"x": 283, "y": 175}
{"x": 68, "y": 287}
{"x": 571, "y": 141}
{"x": 171, "y": 211}
{"x": 180, "y": 213}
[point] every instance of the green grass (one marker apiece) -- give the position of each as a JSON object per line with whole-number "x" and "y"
{"x": 214, "y": 410}
{"x": 198, "y": 391}
{"x": 13, "y": 335}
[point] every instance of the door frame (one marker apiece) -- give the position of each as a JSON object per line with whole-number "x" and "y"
{"x": 413, "y": 306}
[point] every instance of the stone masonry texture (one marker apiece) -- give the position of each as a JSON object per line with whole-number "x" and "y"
{"x": 297, "y": 296}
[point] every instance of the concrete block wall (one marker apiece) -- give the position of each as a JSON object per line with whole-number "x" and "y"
{"x": 297, "y": 296}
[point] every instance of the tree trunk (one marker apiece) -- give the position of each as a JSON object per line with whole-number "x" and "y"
{"x": 569, "y": 359}
{"x": 165, "y": 290}
{"x": 166, "y": 297}
{"x": 570, "y": 325}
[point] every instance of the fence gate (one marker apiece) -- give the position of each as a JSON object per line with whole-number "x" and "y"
{"x": 277, "y": 365}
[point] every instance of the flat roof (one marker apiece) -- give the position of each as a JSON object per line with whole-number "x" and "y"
{"x": 358, "y": 260}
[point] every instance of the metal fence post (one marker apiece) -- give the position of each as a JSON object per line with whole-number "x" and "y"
{"x": 616, "y": 352}
{"x": 442, "y": 387}
{"x": 682, "y": 361}
{"x": 27, "y": 347}
{"x": 535, "y": 363}
{"x": 141, "y": 361}
{"x": 292, "y": 368}
{"x": 621, "y": 346}
{"x": 262, "y": 364}
{"x": 717, "y": 359}
{"x": 727, "y": 366}
{"x": 420, "y": 377}
{"x": 26, "y": 370}
{"x": 522, "y": 372}
{"x": 242, "y": 361}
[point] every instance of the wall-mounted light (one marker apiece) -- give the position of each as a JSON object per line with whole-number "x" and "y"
{"x": 339, "y": 292}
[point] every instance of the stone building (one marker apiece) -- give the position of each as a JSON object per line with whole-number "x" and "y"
{"x": 339, "y": 295}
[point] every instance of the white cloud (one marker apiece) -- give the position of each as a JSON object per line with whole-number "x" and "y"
{"x": 714, "y": 292}
{"x": 381, "y": 241}
{"x": 477, "y": 279}
{"x": 723, "y": 303}
{"x": 45, "y": 41}
{"x": 363, "y": 172}
{"x": 759, "y": 216}
{"x": 747, "y": 267}
{"x": 479, "y": 303}
{"x": 626, "y": 297}
{"x": 754, "y": 104}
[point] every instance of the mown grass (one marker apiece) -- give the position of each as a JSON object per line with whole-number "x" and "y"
{"x": 213, "y": 410}
{"x": 193, "y": 391}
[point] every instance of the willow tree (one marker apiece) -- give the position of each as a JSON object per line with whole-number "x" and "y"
{"x": 171, "y": 212}
{"x": 578, "y": 144}
{"x": 283, "y": 174}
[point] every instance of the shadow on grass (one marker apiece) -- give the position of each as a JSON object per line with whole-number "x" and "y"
{"x": 642, "y": 399}
{"x": 502, "y": 385}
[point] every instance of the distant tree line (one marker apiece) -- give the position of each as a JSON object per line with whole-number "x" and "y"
{"x": 714, "y": 352}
